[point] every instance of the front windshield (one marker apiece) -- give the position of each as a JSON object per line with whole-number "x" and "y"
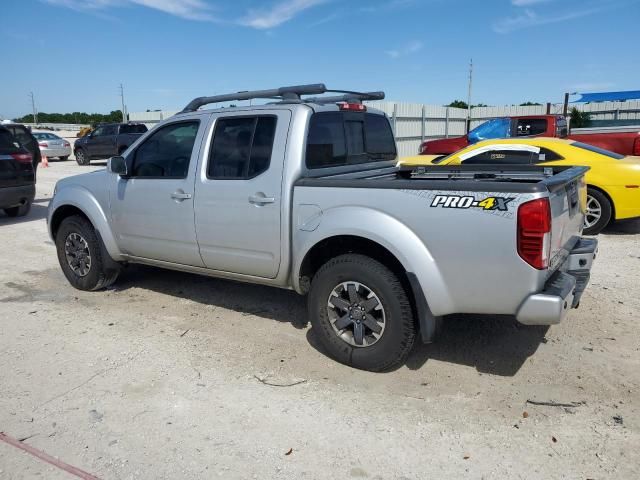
{"x": 496, "y": 128}
{"x": 601, "y": 151}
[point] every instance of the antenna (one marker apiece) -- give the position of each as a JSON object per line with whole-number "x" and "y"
{"x": 469, "y": 95}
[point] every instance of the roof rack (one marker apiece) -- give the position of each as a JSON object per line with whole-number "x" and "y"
{"x": 350, "y": 97}
{"x": 292, "y": 94}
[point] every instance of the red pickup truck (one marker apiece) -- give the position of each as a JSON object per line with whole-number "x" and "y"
{"x": 623, "y": 140}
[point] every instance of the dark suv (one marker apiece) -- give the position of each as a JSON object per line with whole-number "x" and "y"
{"x": 107, "y": 140}
{"x": 17, "y": 176}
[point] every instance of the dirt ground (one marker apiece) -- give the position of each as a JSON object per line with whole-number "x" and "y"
{"x": 171, "y": 375}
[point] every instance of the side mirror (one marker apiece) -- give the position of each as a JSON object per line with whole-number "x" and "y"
{"x": 117, "y": 165}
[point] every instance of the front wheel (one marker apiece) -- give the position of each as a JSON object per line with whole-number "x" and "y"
{"x": 598, "y": 214}
{"x": 81, "y": 256}
{"x": 361, "y": 313}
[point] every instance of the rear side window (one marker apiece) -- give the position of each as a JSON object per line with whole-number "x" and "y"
{"x": 510, "y": 157}
{"x": 136, "y": 128}
{"x": 336, "y": 139}
{"x": 532, "y": 126}
{"x": 166, "y": 153}
{"x": 241, "y": 147}
{"x": 7, "y": 140}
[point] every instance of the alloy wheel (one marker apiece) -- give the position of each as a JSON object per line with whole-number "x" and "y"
{"x": 356, "y": 314}
{"x": 76, "y": 251}
{"x": 593, "y": 213}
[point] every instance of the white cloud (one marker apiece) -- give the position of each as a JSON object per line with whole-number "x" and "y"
{"x": 278, "y": 14}
{"x": 188, "y": 9}
{"x": 411, "y": 47}
{"x": 529, "y": 18}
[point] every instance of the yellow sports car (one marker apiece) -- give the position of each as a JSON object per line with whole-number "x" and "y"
{"x": 613, "y": 180}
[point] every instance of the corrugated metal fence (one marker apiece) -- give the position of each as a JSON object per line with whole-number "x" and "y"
{"x": 416, "y": 122}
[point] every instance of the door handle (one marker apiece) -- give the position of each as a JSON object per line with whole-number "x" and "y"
{"x": 260, "y": 199}
{"x": 180, "y": 196}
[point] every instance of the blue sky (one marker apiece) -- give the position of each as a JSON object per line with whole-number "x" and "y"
{"x": 73, "y": 54}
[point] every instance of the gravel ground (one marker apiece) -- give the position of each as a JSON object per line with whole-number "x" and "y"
{"x": 168, "y": 375}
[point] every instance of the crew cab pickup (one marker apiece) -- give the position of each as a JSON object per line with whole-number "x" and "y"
{"x": 304, "y": 194}
{"x": 622, "y": 140}
{"x": 106, "y": 141}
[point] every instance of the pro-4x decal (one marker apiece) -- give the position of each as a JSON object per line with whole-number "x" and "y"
{"x": 460, "y": 201}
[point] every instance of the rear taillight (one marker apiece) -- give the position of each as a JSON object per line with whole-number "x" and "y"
{"x": 22, "y": 157}
{"x": 423, "y": 148}
{"x": 636, "y": 147}
{"x": 43, "y": 144}
{"x": 352, "y": 107}
{"x": 66, "y": 144}
{"x": 534, "y": 232}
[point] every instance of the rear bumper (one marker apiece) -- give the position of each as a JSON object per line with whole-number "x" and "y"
{"x": 16, "y": 196}
{"x": 563, "y": 289}
{"x": 55, "y": 152}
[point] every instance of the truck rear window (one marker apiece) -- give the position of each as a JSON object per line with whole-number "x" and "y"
{"x": 135, "y": 128}
{"x": 348, "y": 138}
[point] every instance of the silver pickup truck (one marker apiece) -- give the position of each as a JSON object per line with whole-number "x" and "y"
{"x": 304, "y": 193}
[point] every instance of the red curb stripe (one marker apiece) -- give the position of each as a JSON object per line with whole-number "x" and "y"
{"x": 46, "y": 458}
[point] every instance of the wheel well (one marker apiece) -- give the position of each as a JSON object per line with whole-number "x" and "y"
{"x": 63, "y": 212}
{"x": 613, "y": 205}
{"x": 332, "y": 247}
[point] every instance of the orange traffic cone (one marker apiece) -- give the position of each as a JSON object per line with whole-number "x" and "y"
{"x": 45, "y": 162}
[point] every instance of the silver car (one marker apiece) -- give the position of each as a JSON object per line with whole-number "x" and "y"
{"x": 52, "y": 145}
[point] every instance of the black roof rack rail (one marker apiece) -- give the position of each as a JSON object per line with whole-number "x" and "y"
{"x": 291, "y": 94}
{"x": 349, "y": 97}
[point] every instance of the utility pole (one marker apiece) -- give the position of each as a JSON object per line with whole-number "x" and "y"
{"x": 33, "y": 108}
{"x": 124, "y": 115}
{"x": 469, "y": 95}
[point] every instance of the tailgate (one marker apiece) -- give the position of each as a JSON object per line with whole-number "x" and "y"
{"x": 568, "y": 199}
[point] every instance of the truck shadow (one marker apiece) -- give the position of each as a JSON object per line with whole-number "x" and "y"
{"x": 492, "y": 344}
{"x": 247, "y": 299}
{"x": 495, "y": 344}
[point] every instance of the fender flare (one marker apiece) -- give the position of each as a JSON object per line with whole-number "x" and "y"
{"x": 80, "y": 198}
{"x": 385, "y": 230}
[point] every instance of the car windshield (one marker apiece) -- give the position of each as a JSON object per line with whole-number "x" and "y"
{"x": 601, "y": 151}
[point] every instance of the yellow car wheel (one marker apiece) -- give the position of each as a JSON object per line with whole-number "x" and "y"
{"x": 598, "y": 212}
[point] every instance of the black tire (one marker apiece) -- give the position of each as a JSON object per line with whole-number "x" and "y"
{"x": 98, "y": 276}
{"x": 396, "y": 340}
{"x": 19, "y": 211}
{"x": 65, "y": 158}
{"x": 81, "y": 157}
{"x": 596, "y": 197}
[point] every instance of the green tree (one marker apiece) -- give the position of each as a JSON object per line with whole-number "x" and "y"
{"x": 458, "y": 104}
{"x": 74, "y": 117}
{"x": 530, "y": 104}
{"x": 579, "y": 119}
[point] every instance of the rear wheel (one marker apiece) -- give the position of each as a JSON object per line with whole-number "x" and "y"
{"x": 65, "y": 158}
{"x": 80, "y": 254}
{"x": 361, "y": 313}
{"x": 598, "y": 214}
{"x": 81, "y": 157}
{"x": 19, "y": 211}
